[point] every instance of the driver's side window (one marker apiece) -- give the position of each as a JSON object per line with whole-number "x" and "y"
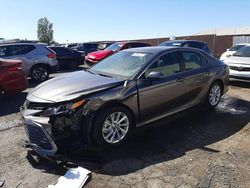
{"x": 167, "y": 64}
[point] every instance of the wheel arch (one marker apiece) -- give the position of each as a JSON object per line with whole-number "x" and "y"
{"x": 117, "y": 103}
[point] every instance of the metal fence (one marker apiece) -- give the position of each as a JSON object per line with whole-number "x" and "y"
{"x": 241, "y": 39}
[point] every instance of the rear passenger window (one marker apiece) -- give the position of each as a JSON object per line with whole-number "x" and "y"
{"x": 167, "y": 64}
{"x": 27, "y": 48}
{"x": 87, "y": 46}
{"x": 191, "y": 60}
{"x": 137, "y": 45}
{"x": 3, "y": 51}
{"x": 20, "y": 49}
{"x": 195, "y": 45}
{"x": 61, "y": 50}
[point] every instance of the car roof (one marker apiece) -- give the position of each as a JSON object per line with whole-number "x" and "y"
{"x": 11, "y": 44}
{"x": 57, "y": 47}
{"x": 183, "y": 41}
{"x": 156, "y": 50}
{"x": 152, "y": 49}
{"x": 131, "y": 42}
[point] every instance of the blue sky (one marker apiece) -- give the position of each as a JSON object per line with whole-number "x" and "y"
{"x": 90, "y": 20}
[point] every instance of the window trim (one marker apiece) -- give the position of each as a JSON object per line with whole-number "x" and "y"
{"x": 142, "y": 74}
{"x": 199, "y": 54}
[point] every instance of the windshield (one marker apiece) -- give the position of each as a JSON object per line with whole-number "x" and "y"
{"x": 170, "y": 44}
{"x": 236, "y": 47}
{"x": 114, "y": 47}
{"x": 122, "y": 64}
{"x": 243, "y": 52}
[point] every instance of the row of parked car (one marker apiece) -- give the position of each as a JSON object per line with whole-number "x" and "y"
{"x": 39, "y": 60}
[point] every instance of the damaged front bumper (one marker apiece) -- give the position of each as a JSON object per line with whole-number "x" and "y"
{"x": 55, "y": 136}
{"x": 38, "y": 132}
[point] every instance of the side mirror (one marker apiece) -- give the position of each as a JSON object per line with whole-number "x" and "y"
{"x": 155, "y": 75}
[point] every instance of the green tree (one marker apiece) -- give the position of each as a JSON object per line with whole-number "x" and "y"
{"x": 45, "y": 30}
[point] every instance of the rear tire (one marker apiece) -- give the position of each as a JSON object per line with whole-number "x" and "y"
{"x": 39, "y": 73}
{"x": 214, "y": 95}
{"x": 112, "y": 126}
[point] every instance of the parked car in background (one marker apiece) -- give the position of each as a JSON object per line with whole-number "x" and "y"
{"x": 71, "y": 45}
{"x": 67, "y": 58}
{"x": 134, "y": 87}
{"x": 12, "y": 78}
{"x": 86, "y": 48}
{"x": 239, "y": 63}
{"x": 103, "y": 45}
{"x": 97, "y": 56}
{"x": 232, "y": 50}
{"x": 188, "y": 43}
{"x": 38, "y": 61}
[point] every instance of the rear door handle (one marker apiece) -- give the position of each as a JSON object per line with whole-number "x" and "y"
{"x": 180, "y": 80}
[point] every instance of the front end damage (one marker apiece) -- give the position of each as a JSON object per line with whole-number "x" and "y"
{"x": 51, "y": 135}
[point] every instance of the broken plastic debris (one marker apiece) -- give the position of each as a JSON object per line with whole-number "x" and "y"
{"x": 74, "y": 178}
{"x": 2, "y": 183}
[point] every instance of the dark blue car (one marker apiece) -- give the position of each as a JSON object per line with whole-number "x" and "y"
{"x": 188, "y": 43}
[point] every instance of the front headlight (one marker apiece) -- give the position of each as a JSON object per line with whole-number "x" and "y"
{"x": 64, "y": 108}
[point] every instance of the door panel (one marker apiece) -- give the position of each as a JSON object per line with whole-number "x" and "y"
{"x": 194, "y": 74}
{"x": 160, "y": 96}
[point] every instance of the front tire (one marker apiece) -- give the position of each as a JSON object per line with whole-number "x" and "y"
{"x": 214, "y": 95}
{"x": 39, "y": 73}
{"x": 112, "y": 126}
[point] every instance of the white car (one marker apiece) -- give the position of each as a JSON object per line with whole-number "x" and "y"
{"x": 232, "y": 50}
{"x": 239, "y": 64}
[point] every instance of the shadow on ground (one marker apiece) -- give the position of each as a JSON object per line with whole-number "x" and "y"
{"x": 242, "y": 84}
{"x": 168, "y": 139}
{"x": 11, "y": 104}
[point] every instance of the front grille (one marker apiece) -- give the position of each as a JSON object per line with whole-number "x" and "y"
{"x": 239, "y": 68}
{"x": 36, "y": 106}
{"x": 37, "y": 136}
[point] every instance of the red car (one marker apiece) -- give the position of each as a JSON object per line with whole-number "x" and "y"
{"x": 12, "y": 78}
{"x": 97, "y": 56}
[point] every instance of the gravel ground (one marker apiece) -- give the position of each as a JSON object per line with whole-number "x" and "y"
{"x": 197, "y": 148}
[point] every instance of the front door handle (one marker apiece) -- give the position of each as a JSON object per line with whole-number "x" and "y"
{"x": 180, "y": 80}
{"x": 208, "y": 73}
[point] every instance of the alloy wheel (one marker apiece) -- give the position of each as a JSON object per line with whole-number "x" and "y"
{"x": 40, "y": 74}
{"x": 115, "y": 127}
{"x": 214, "y": 95}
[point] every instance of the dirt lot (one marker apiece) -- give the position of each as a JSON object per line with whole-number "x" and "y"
{"x": 197, "y": 148}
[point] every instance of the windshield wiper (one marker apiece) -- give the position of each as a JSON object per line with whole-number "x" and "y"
{"x": 101, "y": 74}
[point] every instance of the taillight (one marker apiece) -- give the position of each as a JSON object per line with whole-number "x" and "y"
{"x": 51, "y": 56}
{"x": 15, "y": 68}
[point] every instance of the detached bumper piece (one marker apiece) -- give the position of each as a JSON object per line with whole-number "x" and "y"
{"x": 39, "y": 140}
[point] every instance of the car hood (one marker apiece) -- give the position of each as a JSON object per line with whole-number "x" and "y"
{"x": 100, "y": 54}
{"x": 237, "y": 60}
{"x": 71, "y": 86}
